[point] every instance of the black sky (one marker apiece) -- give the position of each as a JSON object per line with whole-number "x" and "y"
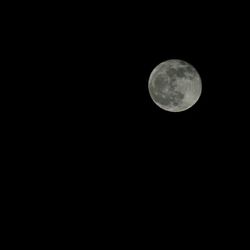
{"x": 92, "y": 84}
{"x": 110, "y": 55}
{"x": 88, "y": 134}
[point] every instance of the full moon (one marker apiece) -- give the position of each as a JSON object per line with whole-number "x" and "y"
{"x": 174, "y": 85}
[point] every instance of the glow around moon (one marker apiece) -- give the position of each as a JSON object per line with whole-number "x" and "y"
{"x": 175, "y": 85}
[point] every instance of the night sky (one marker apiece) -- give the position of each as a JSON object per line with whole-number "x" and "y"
{"x": 87, "y": 134}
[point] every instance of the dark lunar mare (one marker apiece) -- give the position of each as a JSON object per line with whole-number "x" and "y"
{"x": 183, "y": 63}
{"x": 190, "y": 69}
{"x": 171, "y": 72}
{"x": 180, "y": 72}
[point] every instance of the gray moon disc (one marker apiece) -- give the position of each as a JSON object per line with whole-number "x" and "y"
{"x": 174, "y": 85}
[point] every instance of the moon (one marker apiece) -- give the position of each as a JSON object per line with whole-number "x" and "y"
{"x": 175, "y": 85}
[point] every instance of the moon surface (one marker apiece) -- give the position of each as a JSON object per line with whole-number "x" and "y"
{"x": 174, "y": 85}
